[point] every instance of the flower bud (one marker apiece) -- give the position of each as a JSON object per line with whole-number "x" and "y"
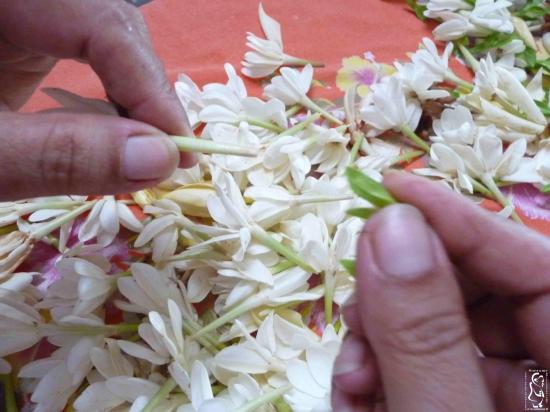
{"x": 192, "y": 198}
{"x": 14, "y": 248}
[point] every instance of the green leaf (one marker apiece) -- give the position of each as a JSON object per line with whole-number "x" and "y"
{"x": 533, "y": 10}
{"x": 470, "y": 2}
{"x": 545, "y": 64}
{"x": 362, "y": 212}
{"x": 349, "y": 265}
{"x": 529, "y": 56}
{"x": 369, "y": 189}
{"x": 545, "y": 189}
{"x": 418, "y": 9}
{"x": 492, "y": 41}
{"x": 545, "y": 109}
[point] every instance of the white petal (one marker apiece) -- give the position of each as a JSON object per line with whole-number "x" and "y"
{"x": 270, "y": 26}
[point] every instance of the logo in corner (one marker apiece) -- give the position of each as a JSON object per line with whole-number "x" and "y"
{"x": 536, "y": 390}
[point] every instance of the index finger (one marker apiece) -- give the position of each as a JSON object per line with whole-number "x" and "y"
{"x": 113, "y": 37}
{"x": 502, "y": 256}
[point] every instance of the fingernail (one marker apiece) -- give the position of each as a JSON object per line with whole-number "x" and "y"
{"x": 149, "y": 157}
{"x": 401, "y": 243}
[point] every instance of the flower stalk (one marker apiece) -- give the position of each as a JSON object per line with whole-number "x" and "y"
{"x": 310, "y": 104}
{"x": 265, "y": 125}
{"x": 414, "y": 138}
{"x": 192, "y": 144}
{"x": 270, "y": 396}
{"x": 10, "y": 403}
{"x": 489, "y": 182}
{"x": 161, "y": 394}
{"x": 301, "y": 126}
{"x": 56, "y": 223}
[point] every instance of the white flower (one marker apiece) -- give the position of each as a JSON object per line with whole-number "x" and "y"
{"x": 82, "y": 287}
{"x": 429, "y": 58}
{"x": 241, "y": 135}
{"x": 148, "y": 290}
{"x": 536, "y": 169}
{"x": 14, "y": 248}
{"x": 18, "y": 324}
{"x": 311, "y": 378}
{"x": 487, "y": 158}
{"x": 380, "y": 155}
{"x": 447, "y": 165}
{"x": 163, "y": 230}
{"x": 456, "y": 125}
{"x": 283, "y": 159}
{"x": 493, "y": 15}
{"x": 388, "y": 108}
{"x": 105, "y": 219}
{"x": 486, "y": 78}
{"x": 267, "y": 55}
{"x": 328, "y": 150}
{"x": 190, "y": 98}
{"x": 450, "y": 5}
{"x": 454, "y": 25}
{"x": 291, "y": 86}
{"x": 418, "y": 81}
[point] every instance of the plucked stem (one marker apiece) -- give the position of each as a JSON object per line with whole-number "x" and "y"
{"x": 509, "y": 107}
{"x": 468, "y": 87}
{"x": 414, "y": 138}
{"x": 161, "y": 394}
{"x": 296, "y": 61}
{"x": 192, "y": 144}
{"x": 207, "y": 341}
{"x": 59, "y": 221}
{"x": 470, "y": 59}
{"x": 269, "y": 241}
{"x": 229, "y": 316}
{"x": 267, "y": 397}
{"x": 301, "y": 126}
{"x": 478, "y": 187}
{"x": 292, "y": 110}
{"x": 491, "y": 185}
{"x": 358, "y": 138}
{"x": 329, "y": 295}
{"x": 307, "y": 102}
{"x": 10, "y": 402}
{"x": 265, "y": 125}
{"x": 50, "y": 329}
{"x": 407, "y": 156}
{"x": 282, "y": 266}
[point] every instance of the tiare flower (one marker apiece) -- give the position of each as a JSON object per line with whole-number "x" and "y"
{"x": 267, "y": 54}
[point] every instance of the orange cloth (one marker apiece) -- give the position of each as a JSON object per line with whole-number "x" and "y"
{"x": 198, "y": 37}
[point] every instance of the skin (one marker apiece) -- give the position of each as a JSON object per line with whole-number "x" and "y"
{"x": 57, "y": 153}
{"x": 435, "y": 276}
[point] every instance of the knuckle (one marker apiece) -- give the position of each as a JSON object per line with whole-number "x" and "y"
{"x": 428, "y": 333}
{"x": 121, "y": 16}
{"x": 58, "y": 161}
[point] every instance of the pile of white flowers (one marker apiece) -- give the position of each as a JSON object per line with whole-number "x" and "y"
{"x": 219, "y": 289}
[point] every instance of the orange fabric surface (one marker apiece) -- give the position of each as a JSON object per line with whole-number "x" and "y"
{"x": 197, "y": 37}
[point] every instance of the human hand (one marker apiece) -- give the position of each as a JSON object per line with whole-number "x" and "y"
{"x": 68, "y": 153}
{"x": 433, "y": 278}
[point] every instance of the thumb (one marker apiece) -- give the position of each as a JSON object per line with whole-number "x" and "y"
{"x": 413, "y": 316}
{"x": 61, "y": 153}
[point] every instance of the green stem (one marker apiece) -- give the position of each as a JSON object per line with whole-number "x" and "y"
{"x": 358, "y": 139}
{"x": 414, "y": 138}
{"x": 10, "y": 402}
{"x": 509, "y": 107}
{"x": 267, "y": 397}
{"x": 269, "y": 241}
{"x": 282, "y": 266}
{"x": 8, "y": 229}
{"x": 207, "y": 341}
{"x": 295, "y": 61}
{"x": 161, "y": 394}
{"x": 329, "y": 296}
{"x": 462, "y": 84}
{"x": 307, "y": 102}
{"x": 265, "y": 125}
{"x": 469, "y": 58}
{"x": 50, "y": 329}
{"x": 478, "y": 187}
{"x": 192, "y": 144}
{"x": 59, "y": 221}
{"x": 292, "y": 110}
{"x": 301, "y": 126}
{"x": 407, "y": 156}
{"x": 491, "y": 185}
{"x": 229, "y": 316}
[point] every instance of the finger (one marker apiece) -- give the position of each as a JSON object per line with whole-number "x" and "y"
{"x": 494, "y": 329}
{"x": 113, "y": 37}
{"x": 47, "y": 154}
{"x": 489, "y": 250}
{"x": 413, "y": 315}
{"x": 506, "y": 382}
{"x": 344, "y": 402}
{"x": 355, "y": 371}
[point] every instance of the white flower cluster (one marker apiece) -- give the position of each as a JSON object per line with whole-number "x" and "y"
{"x": 219, "y": 289}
